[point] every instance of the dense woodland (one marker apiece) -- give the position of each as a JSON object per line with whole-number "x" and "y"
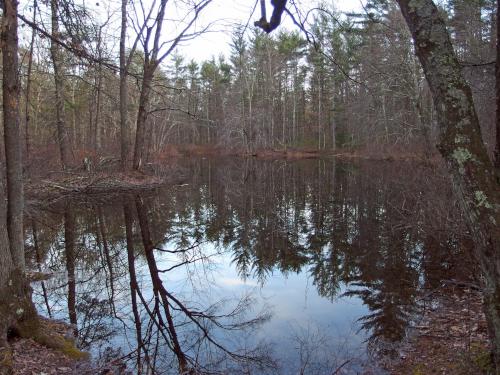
{"x": 348, "y": 81}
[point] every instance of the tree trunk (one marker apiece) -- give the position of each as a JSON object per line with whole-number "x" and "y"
{"x": 142, "y": 115}
{"x": 28, "y": 86}
{"x": 124, "y": 128}
{"x": 16, "y": 307}
{"x": 69, "y": 240}
{"x": 461, "y": 146}
{"x": 497, "y": 88}
{"x": 62, "y": 131}
{"x": 98, "y": 87}
{"x": 158, "y": 287}
{"x": 12, "y": 141}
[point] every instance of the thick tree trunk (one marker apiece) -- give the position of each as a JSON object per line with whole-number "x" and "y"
{"x": 461, "y": 146}
{"x": 62, "y": 131}
{"x": 98, "y": 85}
{"x": 12, "y": 140}
{"x": 15, "y": 295}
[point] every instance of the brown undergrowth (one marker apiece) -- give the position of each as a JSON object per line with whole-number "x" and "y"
{"x": 394, "y": 152}
{"x": 67, "y": 184}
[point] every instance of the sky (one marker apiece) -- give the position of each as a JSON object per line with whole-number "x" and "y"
{"x": 223, "y": 15}
{"x": 232, "y": 12}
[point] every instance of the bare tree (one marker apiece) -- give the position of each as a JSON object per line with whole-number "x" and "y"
{"x": 57, "y": 61}
{"x": 124, "y": 127}
{"x": 11, "y": 92}
{"x": 155, "y": 51}
{"x": 14, "y": 290}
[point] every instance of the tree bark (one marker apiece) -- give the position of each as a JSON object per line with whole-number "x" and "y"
{"x": 55, "y": 51}
{"x": 98, "y": 95}
{"x": 12, "y": 140}
{"x": 497, "y": 91}
{"x": 124, "y": 128}
{"x": 142, "y": 115}
{"x": 16, "y": 307}
{"x": 28, "y": 86}
{"x": 460, "y": 144}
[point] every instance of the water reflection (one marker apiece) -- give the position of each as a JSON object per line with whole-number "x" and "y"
{"x": 204, "y": 276}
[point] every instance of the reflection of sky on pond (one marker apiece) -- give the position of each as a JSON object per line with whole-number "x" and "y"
{"x": 299, "y": 313}
{"x": 333, "y": 228}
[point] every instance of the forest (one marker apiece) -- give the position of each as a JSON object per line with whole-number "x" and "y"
{"x": 309, "y": 90}
{"x": 153, "y": 201}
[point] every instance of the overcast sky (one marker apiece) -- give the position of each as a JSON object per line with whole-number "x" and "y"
{"x": 224, "y": 15}
{"x": 233, "y": 12}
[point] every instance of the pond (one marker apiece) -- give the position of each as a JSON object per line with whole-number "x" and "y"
{"x": 246, "y": 266}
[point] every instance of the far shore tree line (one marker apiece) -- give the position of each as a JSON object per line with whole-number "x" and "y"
{"x": 359, "y": 86}
{"x": 349, "y": 81}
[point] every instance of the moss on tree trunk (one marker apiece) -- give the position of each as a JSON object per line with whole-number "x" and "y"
{"x": 19, "y": 318}
{"x": 461, "y": 145}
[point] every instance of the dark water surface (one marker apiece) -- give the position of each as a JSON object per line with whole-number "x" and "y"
{"x": 250, "y": 267}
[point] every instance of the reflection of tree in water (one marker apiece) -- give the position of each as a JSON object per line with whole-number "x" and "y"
{"x": 348, "y": 225}
{"x": 98, "y": 277}
{"x": 345, "y": 224}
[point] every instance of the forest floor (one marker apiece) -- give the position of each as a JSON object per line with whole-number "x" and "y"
{"x": 32, "y": 358}
{"x": 450, "y": 337}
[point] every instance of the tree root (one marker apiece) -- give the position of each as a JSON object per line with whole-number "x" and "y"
{"x": 19, "y": 318}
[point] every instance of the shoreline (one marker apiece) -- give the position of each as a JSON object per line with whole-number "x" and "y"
{"x": 110, "y": 180}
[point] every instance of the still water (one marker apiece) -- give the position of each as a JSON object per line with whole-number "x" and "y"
{"x": 246, "y": 266}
